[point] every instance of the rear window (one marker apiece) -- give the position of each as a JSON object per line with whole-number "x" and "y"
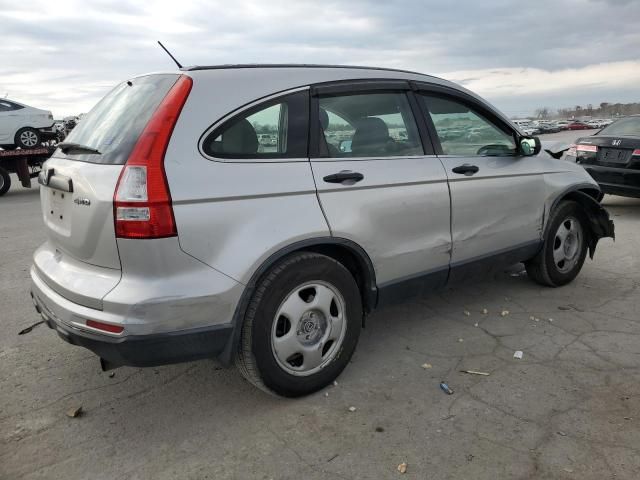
{"x": 624, "y": 126}
{"x": 113, "y": 126}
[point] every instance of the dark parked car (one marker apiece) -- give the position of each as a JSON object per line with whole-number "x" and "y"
{"x": 612, "y": 157}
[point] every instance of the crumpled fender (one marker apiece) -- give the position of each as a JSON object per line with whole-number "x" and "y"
{"x": 600, "y": 224}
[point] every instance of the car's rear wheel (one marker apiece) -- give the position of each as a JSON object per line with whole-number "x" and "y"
{"x": 5, "y": 181}
{"x": 564, "y": 249}
{"x": 301, "y": 326}
{"x": 28, "y": 138}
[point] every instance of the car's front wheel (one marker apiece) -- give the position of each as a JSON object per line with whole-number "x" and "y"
{"x": 564, "y": 249}
{"x": 301, "y": 326}
{"x": 28, "y": 138}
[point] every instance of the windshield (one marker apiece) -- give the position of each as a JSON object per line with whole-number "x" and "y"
{"x": 624, "y": 126}
{"x": 113, "y": 126}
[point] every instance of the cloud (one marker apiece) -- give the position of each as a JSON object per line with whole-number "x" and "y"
{"x": 65, "y": 55}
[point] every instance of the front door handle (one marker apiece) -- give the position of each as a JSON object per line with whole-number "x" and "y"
{"x": 466, "y": 169}
{"x": 344, "y": 176}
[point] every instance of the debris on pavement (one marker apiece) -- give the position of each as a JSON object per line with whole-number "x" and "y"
{"x": 112, "y": 374}
{"x": 470, "y": 458}
{"x": 427, "y": 366}
{"x": 562, "y": 434}
{"x": 504, "y": 313}
{"x": 551, "y": 319}
{"x": 564, "y": 307}
{"x": 518, "y": 354}
{"x": 29, "y": 328}
{"x": 445, "y": 388}
{"x": 475, "y": 372}
{"x": 485, "y": 311}
{"x": 467, "y": 313}
{"x": 74, "y": 412}
{"x": 352, "y": 409}
{"x": 460, "y": 340}
{"x": 335, "y": 383}
{"x": 532, "y": 318}
{"x": 402, "y": 468}
{"x": 475, "y": 324}
{"x": 379, "y": 429}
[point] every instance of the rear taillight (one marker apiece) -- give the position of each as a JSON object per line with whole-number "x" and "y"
{"x": 636, "y": 152}
{"x": 142, "y": 201}
{"x": 587, "y": 148}
{"x": 571, "y": 152}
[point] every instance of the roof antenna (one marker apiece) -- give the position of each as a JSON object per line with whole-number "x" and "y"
{"x": 169, "y": 53}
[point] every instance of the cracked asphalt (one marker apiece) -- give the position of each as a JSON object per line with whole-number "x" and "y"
{"x": 570, "y": 409}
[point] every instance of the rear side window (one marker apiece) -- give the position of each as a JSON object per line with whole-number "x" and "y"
{"x": 368, "y": 125}
{"x": 113, "y": 126}
{"x": 275, "y": 129}
{"x": 624, "y": 126}
{"x": 6, "y": 106}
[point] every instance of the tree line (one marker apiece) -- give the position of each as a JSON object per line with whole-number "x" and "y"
{"x": 604, "y": 110}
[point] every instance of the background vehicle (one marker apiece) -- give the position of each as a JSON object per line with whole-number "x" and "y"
{"x": 23, "y": 126}
{"x": 173, "y": 236}
{"x": 578, "y": 126}
{"x": 26, "y": 164}
{"x": 612, "y": 156}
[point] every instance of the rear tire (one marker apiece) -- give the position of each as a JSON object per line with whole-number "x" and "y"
{"x": 564, "y": 249}
{"x": 301, "y": 326}
{"x": 28, "y": 138}
{"x": 5, "y": 181}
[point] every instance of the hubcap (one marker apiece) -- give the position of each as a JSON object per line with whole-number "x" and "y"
{"x": 308, "y": 328}
{"x": 28, "y": 138}
{"x": 567, "y": 244}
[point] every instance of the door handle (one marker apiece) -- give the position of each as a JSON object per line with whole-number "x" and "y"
{"x": 344, "y": 176}
{"x": 466, "y": 169}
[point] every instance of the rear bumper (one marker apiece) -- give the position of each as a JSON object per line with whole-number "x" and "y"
{"x": 616, "y": 181}
{"x": 140, "y": 350}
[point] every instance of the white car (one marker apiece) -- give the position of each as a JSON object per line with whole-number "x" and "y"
{"x": 23, "y": 126}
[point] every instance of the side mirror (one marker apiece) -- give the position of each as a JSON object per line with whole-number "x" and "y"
{"x": 530, "y": 146}
{"x": 345, "y": 146}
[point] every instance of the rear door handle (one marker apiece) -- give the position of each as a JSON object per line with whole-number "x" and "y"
{"x": 466, "y": 169}
{"x": 344, "y": 176}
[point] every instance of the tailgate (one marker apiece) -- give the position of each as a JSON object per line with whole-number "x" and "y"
{"x": 77, "y": 208}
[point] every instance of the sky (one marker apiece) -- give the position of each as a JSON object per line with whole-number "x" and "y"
{"x": 520, "y": 55}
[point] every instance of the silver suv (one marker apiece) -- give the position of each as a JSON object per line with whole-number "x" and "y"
{"x": 257, "y": 214}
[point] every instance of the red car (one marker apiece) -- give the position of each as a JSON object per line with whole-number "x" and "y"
{"x": 578, "y": 126}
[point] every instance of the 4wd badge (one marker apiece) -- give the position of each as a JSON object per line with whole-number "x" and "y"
{"x": 82, "y": 201}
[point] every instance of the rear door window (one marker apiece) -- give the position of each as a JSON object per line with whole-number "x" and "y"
{"x": 275, "y": 129}
{"x": 368, "y": 125}
{"x": 114, "y": 125}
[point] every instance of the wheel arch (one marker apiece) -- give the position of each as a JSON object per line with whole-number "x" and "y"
{"x": 351, "y": 255}
{"x": 589, "y": 197}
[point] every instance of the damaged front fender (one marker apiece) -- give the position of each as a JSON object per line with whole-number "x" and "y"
{"x": 600, "y": 225}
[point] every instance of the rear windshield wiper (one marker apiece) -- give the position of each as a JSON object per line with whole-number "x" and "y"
{"x": 70, "y": 147}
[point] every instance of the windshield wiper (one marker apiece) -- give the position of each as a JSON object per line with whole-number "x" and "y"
{"x": 69, "y": 147}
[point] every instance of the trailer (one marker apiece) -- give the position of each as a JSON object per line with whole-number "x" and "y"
{"x": 26, "y": 164}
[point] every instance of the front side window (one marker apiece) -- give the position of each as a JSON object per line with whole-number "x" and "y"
{"x": 463, "y": 131}
{"x": 367, "y": 125}
{"x": 277, "y": 129}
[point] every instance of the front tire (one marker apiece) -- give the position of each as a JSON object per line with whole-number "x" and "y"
{"x": 301, "y": 326}
{"x": 564, "y": 249}
{"x": 28, "y": 138}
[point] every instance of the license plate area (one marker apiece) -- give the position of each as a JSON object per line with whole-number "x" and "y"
{"x": 58, "y": 211}
{"x": 613, "y": 155}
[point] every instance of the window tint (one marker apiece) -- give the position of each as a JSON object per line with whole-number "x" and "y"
{"x": 624, "y": 126}
{"x": 368, "y": 125}
{"x": 6, "y": 106}
{"x": 277, "y": 129}
{"x": 462, "y": 131}
{"x": 114, "y": 125}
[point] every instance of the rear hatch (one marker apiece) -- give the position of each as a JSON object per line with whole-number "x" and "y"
{"x": 78, "y": 185}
